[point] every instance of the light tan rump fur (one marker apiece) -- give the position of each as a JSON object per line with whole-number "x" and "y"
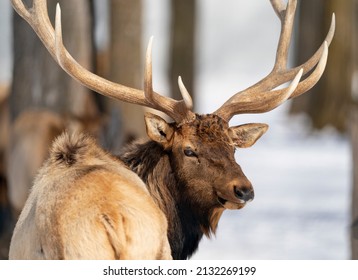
{"x": 86, "y": 204}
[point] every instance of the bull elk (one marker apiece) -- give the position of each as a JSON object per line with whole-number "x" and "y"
{"x": 86, "y": 203}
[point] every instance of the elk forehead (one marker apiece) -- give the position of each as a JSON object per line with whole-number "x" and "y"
{"x": 208, "y": 128}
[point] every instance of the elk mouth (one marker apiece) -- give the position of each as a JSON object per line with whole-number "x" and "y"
{"x": 229, "y": 204}
{"x": 221, "y": 200}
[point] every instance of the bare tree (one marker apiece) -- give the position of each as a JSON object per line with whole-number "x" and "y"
{"x": 182, "y": 45}
{"x": 354, "y": 142}
{"x": 331, "y": 95}
{"x": 353, "y": 122}
{"x": 53, "y": 90}
{"x": 125, "y": 62}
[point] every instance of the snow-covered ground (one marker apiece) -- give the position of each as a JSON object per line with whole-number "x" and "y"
{"x": 301, "y": 179}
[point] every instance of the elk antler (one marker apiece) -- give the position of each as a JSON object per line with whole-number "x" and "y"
{"x": 256, "y": 99}
{"x": 261, "y": 97}
{"x": 37, "y": 17}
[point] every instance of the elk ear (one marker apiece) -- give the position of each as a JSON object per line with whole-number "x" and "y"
{"x": 158, "y": 129}
{"x": 246, "y": 135}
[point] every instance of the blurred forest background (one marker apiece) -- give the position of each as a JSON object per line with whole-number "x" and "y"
{"x": 38, "y": 100}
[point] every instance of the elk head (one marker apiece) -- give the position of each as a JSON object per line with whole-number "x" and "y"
{"x": 202, "y": 146}
{"x": 201, "y": 152}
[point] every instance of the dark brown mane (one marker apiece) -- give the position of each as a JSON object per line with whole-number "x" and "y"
{"x": 186, "y": 222}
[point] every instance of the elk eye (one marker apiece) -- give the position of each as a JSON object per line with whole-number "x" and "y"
{"x": 189, "y": 152}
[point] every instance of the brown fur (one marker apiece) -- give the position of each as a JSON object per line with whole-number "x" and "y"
{"x": 85, "y": 204}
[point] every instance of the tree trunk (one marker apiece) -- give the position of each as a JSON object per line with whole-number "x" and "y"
{"x": 125, "y": 63}
{"x": 182, "y": 46}
{"x": 37, "y": 80}
{"x": 354, "y": 132}
{"x": 354, "y": 142}
{"x": 328, "y": 102}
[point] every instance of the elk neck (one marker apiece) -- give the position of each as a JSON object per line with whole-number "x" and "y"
{"x": 187, "y": 222}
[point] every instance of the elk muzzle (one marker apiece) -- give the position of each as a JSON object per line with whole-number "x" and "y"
{"x": 237, "y": 193}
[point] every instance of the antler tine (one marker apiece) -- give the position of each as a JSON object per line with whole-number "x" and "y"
{"x": 182, "y": 108}
{"x": 148, "y": 74}
{"x": 37, "y": 17}
{"x": 185, "y": 94}
{"x": 280, "y": 74}
{"x": 311, "y": 80}
{"x": 311, "y": 62}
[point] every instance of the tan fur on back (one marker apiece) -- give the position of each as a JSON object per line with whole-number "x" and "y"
{"x": 85, "y": 204}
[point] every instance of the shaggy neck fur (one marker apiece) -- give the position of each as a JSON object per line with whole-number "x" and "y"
{"x": 186, "y": 222}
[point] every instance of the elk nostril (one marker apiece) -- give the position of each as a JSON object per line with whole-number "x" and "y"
{"x": 239, "y": 193}
{"x": 244, "y": 193}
